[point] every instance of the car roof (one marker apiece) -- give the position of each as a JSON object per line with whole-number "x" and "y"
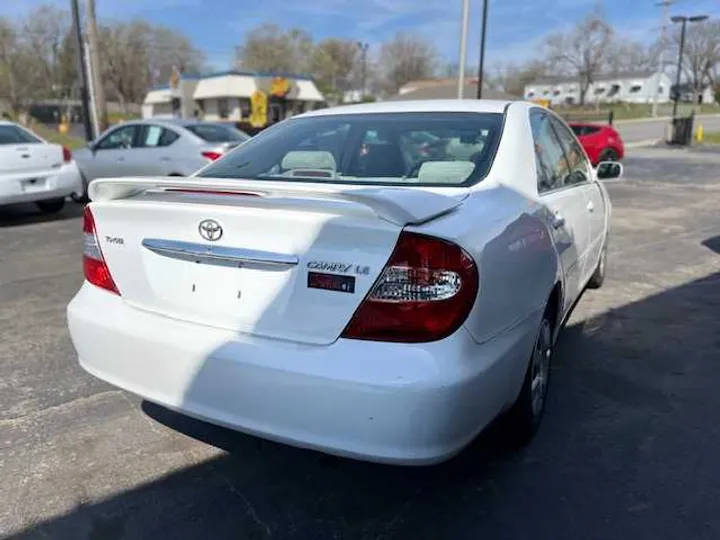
{"x": 171, "y": 122}
{"x": 430, "y": 105}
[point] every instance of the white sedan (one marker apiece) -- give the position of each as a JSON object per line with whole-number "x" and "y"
{"x": 34, "y": 170}
{"x": 334, "y": 284}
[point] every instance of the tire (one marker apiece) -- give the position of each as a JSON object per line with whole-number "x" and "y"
{"x": 50, "y": 207}
{"x": 523, "y": 419}
{"x": 608, "y": 155}
{"x": 598, "y": 278}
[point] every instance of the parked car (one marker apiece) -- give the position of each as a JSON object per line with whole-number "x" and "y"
{"x": 35, "y": 170}
{"x": 156, "y": 148}
{"x": 317, "y": 290}
{"x": 601, "y": 142}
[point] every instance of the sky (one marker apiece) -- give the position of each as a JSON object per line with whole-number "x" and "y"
{"x": 515, "y": 27}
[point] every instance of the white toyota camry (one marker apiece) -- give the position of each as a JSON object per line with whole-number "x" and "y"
{"x": 34, "y": 170}
{"x": 376, "y": 281}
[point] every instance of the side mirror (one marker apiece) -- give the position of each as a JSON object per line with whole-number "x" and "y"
{"x": 609, "y": 170}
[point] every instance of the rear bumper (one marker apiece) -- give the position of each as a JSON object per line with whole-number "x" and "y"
{"x": 405, "y": 404}
{"x": 65, "y": 181}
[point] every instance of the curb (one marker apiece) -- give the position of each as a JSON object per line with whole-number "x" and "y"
{"x": 642, "y": 144}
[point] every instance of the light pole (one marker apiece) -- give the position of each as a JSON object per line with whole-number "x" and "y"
{"x": 683, "y": 20}
{"x": 463, "y": 47}
{"x": 482, "y": 49}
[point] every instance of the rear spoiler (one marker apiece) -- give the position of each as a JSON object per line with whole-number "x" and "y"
{"x": 401, "y": 205}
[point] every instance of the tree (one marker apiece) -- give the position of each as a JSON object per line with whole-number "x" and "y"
{"x": 701, "y": 56}
{"x": 625, "y": 57}
{"x": 136, "y": 55}
{"x": 334, "y": 64}
{"x": 405, "y": 58}
{"x": 270, "y": 48}
{"x": 583, "y": 50}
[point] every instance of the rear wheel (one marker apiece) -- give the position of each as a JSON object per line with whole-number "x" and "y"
{"x": 51, "y": 206}
{"x": 523, "y": 419}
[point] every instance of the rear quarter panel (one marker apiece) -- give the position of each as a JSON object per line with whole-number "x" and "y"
{"x": 506, "y": 234}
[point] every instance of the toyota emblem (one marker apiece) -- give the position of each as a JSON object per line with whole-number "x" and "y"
{"x": 210, "y": 230}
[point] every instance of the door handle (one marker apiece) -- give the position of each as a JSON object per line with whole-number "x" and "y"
{"x": 121, "y": 159}
{"x": 165, "y": 158}
{"x": 590, "y": 206}
{"x": 557, "y": 220}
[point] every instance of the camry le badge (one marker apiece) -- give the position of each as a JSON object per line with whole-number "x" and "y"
{"x": 210, "y": 230}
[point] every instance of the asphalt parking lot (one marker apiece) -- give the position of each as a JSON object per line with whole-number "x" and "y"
{"x": 629, "y": 448}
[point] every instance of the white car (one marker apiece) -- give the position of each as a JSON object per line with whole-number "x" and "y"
{"x": 328, "y": 286}
{"x": 34, "y": 170}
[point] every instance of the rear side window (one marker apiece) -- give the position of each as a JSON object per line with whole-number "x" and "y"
{"x": 552, "y": 167}
{"x": 217, "y": 133}
{"x": 14, "y": 135}
{"x": 156, "y": 137}
{"x": 417, "y": 148}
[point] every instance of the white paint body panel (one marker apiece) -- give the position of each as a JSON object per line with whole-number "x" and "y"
{"x": 277, "y": 367}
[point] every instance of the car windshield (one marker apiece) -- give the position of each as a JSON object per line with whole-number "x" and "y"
{"x": 426, "y": 148}
{"x": 217, "y": 133}
{"x": 10, "y": 134}
{"x": 578, "y": 130}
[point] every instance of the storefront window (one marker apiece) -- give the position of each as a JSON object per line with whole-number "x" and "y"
{"x": 244, "y": 108}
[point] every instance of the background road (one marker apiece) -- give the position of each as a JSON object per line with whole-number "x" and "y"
{"x": 649, "y": 130}
{"x": 628, "y": 448}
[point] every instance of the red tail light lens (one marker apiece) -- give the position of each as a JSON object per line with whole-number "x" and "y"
{"x": 67, "y": 154}
{"x": 424, "y": 293}
{"x": 212, "y": 156}
{"x": 94, "y": 266}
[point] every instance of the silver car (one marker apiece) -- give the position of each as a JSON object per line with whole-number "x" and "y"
{"x": 155, "y": 147}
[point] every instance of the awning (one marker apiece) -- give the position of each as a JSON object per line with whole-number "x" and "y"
{"x": 307, "y": 91}
{"x": 225, "y": 86}
{"x": 155, "y": 97}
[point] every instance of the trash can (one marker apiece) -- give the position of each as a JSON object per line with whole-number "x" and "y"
{"x": 682, "y": 131}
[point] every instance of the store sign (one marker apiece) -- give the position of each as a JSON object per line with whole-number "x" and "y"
{"x": 280, "y": 87}
{"x": 258, "y": 109}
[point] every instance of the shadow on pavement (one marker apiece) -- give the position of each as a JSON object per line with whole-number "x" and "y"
{"x": 713, "y": 243}
{"x": 28, "y": 214}
{"x": 628, "y": 449}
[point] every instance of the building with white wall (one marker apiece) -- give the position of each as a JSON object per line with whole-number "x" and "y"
{"x": 227, "y": 96}
{"x": 638, "y": 87}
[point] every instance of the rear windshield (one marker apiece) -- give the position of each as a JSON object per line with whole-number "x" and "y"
{"x": 384, "y": 148}
{"x": 217, "y": 133}
{"x": 15, "y": 135}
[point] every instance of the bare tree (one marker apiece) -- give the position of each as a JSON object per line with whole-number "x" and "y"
{"x": 270, "y": 48}
{"x": 334, "y": 63}
{"x": 136, "y": 55}
{"x": 10, "y": 65}
{"x": 701, "y": 56}
{"x": 44, "y": 30}
{"x": 406, "y": 58}
{"x": 625, "y": 57}
{"x": 583, "y": 50}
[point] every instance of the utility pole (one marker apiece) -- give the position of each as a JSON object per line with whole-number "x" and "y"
{"x": 482, "y": 49}
{"x": 661, "y": 56}
{"x": 81, "y": 70}
{"x": 463, "y": 47}
{"x": 363, "y": 55}
{"x": 97, "y": 85}
{"x": 91, "y": 84}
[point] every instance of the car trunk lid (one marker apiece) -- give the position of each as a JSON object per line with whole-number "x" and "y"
{"x": 271, "y": 259}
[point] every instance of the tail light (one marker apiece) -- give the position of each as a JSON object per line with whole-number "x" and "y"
{"x": 94, "y": 265}
{"x": 212, "y": 156}
{"x": 67, "y": 154}
{"x": 424, "y": 293}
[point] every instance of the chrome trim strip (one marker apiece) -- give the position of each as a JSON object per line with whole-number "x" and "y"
{"x": 218, "y": 255}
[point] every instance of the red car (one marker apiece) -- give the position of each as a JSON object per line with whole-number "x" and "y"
{"x": 601, "y": 142}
